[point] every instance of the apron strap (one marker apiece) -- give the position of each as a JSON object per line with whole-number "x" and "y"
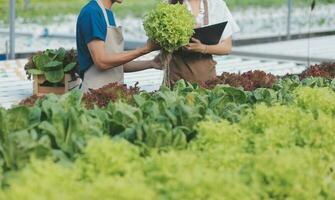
{"x": 104, "y": 12}
{"x": 205, "y": 3}
{"x": 206, "y": 20}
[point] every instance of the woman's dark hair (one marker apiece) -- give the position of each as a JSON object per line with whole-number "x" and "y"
{"x": 176, "y": 1}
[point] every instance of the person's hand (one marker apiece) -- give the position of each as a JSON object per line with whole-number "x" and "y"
{"x": 151, "y": 46}
{"x": 156, "y": 63}
{"x": 196, "y": 46}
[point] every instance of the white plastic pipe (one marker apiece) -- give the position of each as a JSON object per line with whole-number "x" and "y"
{"x": 12, "y": 29}
{"x": 289, "y": 12}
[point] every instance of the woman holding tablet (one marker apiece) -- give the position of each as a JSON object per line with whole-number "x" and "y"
{"x": 194, "y": 63}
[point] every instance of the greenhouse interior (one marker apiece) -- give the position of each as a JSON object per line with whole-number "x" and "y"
{"x": 167, "y": 100}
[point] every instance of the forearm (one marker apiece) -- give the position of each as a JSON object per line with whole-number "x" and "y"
{"x": 134, "y": 66}
{"x": 108, "y": 60}
{"x": 105, "y": 60}
{"x": 219, "y": 49}
{"x": 223, "y": 48}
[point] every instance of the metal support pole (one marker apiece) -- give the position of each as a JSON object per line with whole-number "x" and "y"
{"x": 12, "y": 30}
{"x": 289, "y": 12}
{"x": 309, "y": 34}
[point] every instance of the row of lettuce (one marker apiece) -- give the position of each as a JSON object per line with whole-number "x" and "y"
{"x": 182, "y": 143}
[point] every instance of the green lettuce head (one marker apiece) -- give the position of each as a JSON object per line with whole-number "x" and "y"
{"x": 170, "y": 26}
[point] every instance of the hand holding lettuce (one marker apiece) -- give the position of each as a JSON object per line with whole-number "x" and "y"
{"x": 171, "y": 27}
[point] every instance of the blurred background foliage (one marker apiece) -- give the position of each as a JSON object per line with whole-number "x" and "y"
{"x": 44, "y": 10}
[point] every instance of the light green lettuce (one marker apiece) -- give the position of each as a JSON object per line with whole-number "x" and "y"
{"x": 170, "y": 26}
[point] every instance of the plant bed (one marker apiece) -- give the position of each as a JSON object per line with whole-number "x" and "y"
{"x": 110, "y": 93}
{"x": 100, "y": 98}
{"x": 30, "y": 101}
{"x": 250, "y": 80}
{"x": 53, "y": 71}
{"x": 173, "y": 139}
{"x": 325, "y": 70}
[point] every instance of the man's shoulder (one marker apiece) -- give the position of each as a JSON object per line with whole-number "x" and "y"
{"x": 90, "y": 9}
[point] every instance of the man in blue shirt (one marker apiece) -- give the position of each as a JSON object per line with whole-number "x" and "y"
{"x": 100, "y": 47}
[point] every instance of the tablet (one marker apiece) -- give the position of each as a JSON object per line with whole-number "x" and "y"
{"x": 211, "y": 34}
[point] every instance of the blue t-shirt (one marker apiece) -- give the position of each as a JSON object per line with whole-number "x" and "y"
{"x": 91, "y": 24}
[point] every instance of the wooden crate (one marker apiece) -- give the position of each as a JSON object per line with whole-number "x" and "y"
{"x": 41, "y": 90}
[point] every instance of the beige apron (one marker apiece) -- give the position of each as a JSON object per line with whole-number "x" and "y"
{"x": 192, "y": 67}
{"x": 95, "y": 78}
